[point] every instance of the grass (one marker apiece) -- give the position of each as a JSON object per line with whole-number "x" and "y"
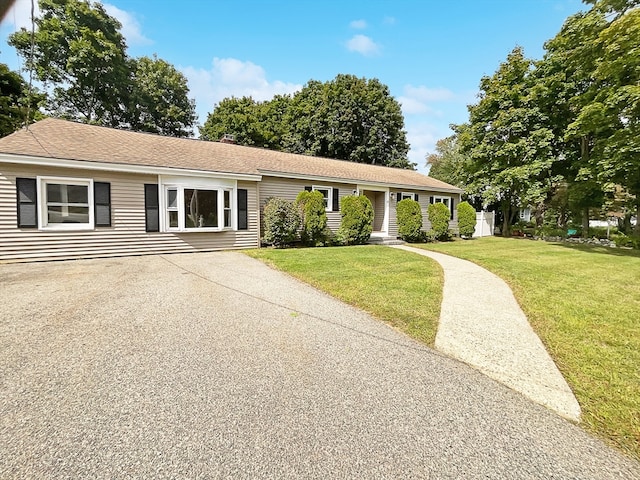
{"x": 401, "y": 288}
{"x": 584, "y": 303}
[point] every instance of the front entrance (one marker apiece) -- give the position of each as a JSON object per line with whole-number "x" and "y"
{"x": 378, "y": 201}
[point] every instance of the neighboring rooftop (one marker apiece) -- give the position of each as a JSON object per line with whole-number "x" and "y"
{"x": 65, "y": 140}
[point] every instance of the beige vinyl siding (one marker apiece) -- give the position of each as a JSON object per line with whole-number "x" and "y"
{"x": 289, "y": 189}
{"x": 126, "y": 236}
{"x": 423, "y": 200}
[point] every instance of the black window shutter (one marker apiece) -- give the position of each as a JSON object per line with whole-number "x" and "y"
{"x": 27, "y": 201}
{"x": 451, "y": 203}
{"x": 243, "y": 214}
{"x": 430, "y": 199}
{"x": 308, "y": 189}
{"x": 416, "y": 197}
{"x": 336, "y": 200}
{"x": 102, "y": 203}
{"x": 151, "y": 208}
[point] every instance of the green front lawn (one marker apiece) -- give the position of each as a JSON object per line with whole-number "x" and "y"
{"x": 398, "y": 287}
{"x": 584, "y": 303}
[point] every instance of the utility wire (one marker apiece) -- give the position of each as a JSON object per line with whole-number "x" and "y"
{"x": 30, "y": 91}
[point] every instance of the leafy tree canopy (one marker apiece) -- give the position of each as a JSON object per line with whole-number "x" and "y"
{"x": 348, "y": 118}
{"x": 14, "y": 99}
{"x": 160, "y": 102}
{"x": 79, "y": 52}
{"x": 79, "y": 56}
{"x": 448, "y": 163}
{"x": 507, "y": 139}
{"x": 252, "y": 123}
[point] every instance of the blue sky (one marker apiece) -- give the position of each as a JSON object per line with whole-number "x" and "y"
{"x": 430, "y": 53}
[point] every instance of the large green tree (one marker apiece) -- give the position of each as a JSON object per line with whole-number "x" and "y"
{"x": 616, "y": 107}
{"x": 159, "y": 100}
{"x": 448, "y": 163}
{"x": 14, "y": 101}
{"x": 79, "y": 55}
{"x": 566, "y": 85}
{"x": 252, "y": 123}
{"x": 348, "y": 118}
{"x": 508, "y": 140}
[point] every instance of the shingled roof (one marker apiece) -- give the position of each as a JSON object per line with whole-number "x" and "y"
{"x": 65, "y": 140}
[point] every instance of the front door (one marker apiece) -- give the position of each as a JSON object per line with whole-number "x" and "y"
{"x": 378, "y": 201}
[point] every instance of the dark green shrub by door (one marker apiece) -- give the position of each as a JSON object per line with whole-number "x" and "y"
{"x": 357, "y": 220}
{"x": 409, "y": 217}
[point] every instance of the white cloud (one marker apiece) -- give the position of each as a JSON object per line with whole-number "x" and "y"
{"x": 358, "y": 24}
{"x": 229, "y": 77}
{"x": 19, "y": 15}
{"x": 131, "y": 29}
{"x": 363, "y": 45}
{"x": 418, "y": 99}
{"x": 389, "y": 20}
{"x": 422, "y": 137}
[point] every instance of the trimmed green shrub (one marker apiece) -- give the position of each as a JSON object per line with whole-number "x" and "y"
{"x": 281, "y": 222}
{"x": 314, "y": 218}
{"x": 439, "y": 216}
{"x": 466, "y": 219}
{"x": 357, "y": 220}
{"x": 409, "y": 217}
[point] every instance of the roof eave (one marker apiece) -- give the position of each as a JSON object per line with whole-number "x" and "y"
{"x": 321, "y": 178}
{"x": 121, "y": 167}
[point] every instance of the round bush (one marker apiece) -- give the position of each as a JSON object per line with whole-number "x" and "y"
{"x": 314, "y": 218}
{"x": 466, "y": 219}
{"x": 357, "y": 220}
{"x": 409, "y": 217}
{"x": 439, "y": 216}
{"x": 281, "y": 222}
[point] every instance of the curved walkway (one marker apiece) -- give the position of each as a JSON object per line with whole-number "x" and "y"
{"x": 482, "y": 324}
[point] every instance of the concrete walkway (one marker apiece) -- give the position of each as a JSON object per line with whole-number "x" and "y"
{"x": 482, "y": 324}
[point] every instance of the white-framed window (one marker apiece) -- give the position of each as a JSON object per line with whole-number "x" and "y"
{"x": 65, "y": 203}
{"x": 405, "y": 195}
{"x": 190, "y": 208}
{"x": 525, "y": 214}
{"x": 327, "y": 194}
{"x": 445, "y": 200}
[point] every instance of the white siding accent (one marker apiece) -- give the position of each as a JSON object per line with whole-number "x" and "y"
{"x": 126, "y": 236}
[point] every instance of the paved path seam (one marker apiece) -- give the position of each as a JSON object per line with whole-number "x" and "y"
{"x": 482, "y": 325}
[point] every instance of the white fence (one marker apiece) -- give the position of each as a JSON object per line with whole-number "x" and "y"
{"x": 485, "y": 224}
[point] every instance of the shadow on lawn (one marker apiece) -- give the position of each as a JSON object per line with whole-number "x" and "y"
{"x": 619, "y": 252}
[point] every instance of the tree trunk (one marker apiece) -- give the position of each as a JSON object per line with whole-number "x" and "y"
{"x": 636, "y": 229}
{"x": 585, "y": 223}
{"x": 506, "y": 218}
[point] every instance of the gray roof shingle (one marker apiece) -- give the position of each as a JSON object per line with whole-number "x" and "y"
{"x": 61, "y": 139}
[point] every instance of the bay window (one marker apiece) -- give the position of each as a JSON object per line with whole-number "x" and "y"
{"x": 189, "y": 208}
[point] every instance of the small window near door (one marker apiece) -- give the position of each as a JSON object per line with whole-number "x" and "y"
{"x": 409, "y": 195}
{"x": 327, "y": 194}
{"x": 445, "y": 200}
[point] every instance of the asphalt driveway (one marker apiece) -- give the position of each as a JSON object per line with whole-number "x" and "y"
{"x": 215, "y": 366}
